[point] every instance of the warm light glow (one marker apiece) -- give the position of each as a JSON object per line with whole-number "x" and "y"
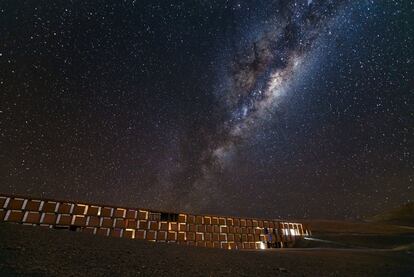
{"x": 85, "y": 208}
{"x": 123, "y": 211}
{"x": 202, "y": 235}
{"x": 132, "y": 231}
{"x": 224, "y": 236}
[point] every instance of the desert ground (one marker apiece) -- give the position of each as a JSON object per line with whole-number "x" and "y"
{"x": 35, "y": 251}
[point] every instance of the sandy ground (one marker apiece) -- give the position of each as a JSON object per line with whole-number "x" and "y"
{"x": 27, "y": 250}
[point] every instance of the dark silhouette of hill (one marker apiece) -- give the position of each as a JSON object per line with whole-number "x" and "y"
{"x": 403, "y": 215}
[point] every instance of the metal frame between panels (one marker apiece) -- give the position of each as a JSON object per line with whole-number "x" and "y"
{"x": 137, "y": 223}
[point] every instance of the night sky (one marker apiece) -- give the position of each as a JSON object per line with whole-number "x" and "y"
{"x": 292, "y": 109}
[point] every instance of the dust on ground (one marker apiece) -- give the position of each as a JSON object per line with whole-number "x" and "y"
{"x": 34, "y": 251}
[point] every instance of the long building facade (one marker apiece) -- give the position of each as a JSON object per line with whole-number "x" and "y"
{"x": 136, "y": 223}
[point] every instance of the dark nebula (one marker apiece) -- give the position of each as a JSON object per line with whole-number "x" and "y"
{"x": 255, "y": 108}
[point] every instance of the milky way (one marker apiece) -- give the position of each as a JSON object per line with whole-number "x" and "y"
{"x": 250, "y": 108}
{"x": 258, "y": 76}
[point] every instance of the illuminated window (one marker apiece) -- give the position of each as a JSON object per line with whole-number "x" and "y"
{"x": 182, "y": 227}
{"x": 80, "y": 209}
{"x": 130, "y": 233}
{"x": 119, "y": 212}
{"x": 143, "y": 215}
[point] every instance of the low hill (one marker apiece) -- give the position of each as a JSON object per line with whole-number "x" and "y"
{"x": 362, "y": 227}
{"x": 357, "y": 235}
{"x": 400, "y": 216}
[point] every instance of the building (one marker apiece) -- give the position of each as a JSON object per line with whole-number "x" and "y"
{"x": 136, "y": 223}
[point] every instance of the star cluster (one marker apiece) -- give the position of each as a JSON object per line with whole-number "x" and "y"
{"x": 255, "y": 108}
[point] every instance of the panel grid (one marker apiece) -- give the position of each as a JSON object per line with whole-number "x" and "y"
{"x": 188, "y": 229}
